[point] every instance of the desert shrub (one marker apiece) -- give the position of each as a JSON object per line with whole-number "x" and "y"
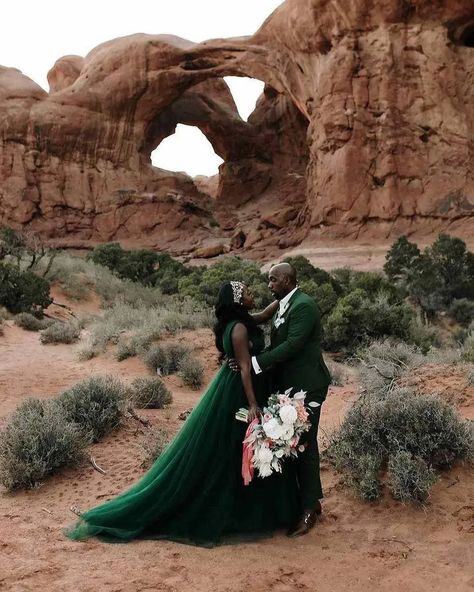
{"x": 168, "y": 274}
{"x": 191, "y": 372}
{"x": 306, "y": 271}
{"x": 152, "y": 445}
{"x": 400, "y": 258}
{"x": 22, "y": 291}
{"x": 470, "y": 376}
{"x": 376, "y": 430}
{"x": 409, "y": 477}
{"x": 338, "y": 375}
{"x": 29, "y": 322}
{"x": 437, "y": 276}
{"x": 36, "y": 441}
{"x": 467, "y": 351}
{"x": 165, "y": 359}
{"x": 356, "y": 319}
{"x": 150, "y": 393}
{"x": 203, "y": 284}
{"x": 135, "y": 265}
{"x": 462, "y": 311}
{"x": 96, "y": 405}
{"x": 324, "y": 294}
{"x": 135, "y": 328}
{"x": 59, "y": 332}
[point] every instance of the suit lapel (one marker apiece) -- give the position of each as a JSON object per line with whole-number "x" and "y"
{"x": 279, "y": 320}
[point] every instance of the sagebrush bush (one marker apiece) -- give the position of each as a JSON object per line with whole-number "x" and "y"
{"x": 383, "y": 362}
{"x": 59, "y": 332}
{"x": 165, "y": 359}
{"x": 470, "y": 376}
{"x": 378, "y": 429}
{"x": 409, "y": 477}
{"x": 96, "y": 405}
{"x": 338, "y": 374}
{"x": 467, "y": 351}
{"x": 36, "y": 441}
{"x": 135, "y": 328}
{"x": 152, "y": 445}
{"x": 150, "y": 393}
{"x": 191, "y": 372}
{"x": 29, "y": 322}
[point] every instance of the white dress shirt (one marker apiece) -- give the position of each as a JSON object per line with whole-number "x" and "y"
{"x": 279, "y": 320}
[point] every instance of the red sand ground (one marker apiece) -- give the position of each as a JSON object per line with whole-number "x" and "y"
{"x": 357, "y": 546}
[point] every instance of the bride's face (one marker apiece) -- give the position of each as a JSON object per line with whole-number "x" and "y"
{"x": 247, "y": 299}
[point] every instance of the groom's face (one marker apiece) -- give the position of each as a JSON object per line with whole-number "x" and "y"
{"x": 278, "y": 283}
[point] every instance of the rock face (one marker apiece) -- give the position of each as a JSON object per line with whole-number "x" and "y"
{"x": 366, "y": 125}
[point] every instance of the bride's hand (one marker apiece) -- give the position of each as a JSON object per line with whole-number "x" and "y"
{"x": 254, "y": 413}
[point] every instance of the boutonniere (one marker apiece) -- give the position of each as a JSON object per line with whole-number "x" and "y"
{"x": 279, "y": 321}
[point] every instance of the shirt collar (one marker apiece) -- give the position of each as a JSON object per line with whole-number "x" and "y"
{"x": 284, "y": 301}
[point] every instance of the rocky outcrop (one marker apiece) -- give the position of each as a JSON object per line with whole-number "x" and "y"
{"x": 365, "y": 125}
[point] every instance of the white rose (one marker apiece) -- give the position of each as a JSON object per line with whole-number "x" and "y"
{"x": 273, "y": 429}
{"x": 288, "y": 414}
{"x": 289, "y": 433}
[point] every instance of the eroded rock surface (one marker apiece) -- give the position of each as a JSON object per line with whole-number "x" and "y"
{"x": 365, "y": 127}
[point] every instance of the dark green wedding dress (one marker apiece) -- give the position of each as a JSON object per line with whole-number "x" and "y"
{"x": 194, "y": 492}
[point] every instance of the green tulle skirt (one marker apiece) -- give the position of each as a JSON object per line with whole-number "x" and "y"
{"x": 194, "y": 492}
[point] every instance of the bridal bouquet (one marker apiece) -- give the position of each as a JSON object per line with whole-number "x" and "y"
{"x": 276, "y": 435}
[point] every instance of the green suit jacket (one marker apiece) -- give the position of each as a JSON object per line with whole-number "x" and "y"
{"x": 295, "y": 356}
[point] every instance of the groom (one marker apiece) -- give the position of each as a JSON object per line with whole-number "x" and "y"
{"x": 295, "y": 360}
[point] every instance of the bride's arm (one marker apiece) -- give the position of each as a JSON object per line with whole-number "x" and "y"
{"x": 240, "y": 343}
{"x": 266, "y": 314}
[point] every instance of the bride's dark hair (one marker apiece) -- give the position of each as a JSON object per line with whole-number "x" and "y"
{"x": 226, "y": 310}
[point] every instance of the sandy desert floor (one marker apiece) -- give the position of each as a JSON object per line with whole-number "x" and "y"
{"x": 356, "y": 547}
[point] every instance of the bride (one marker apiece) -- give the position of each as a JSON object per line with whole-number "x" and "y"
{"x": 194, "y": 492}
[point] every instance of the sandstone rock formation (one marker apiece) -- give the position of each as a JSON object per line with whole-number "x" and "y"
{"x": 366, "y": 125}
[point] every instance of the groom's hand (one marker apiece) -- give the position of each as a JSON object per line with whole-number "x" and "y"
{"x": 233, "y": 365}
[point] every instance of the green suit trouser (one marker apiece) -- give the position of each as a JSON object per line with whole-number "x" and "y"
{"x": 307, "y": 463}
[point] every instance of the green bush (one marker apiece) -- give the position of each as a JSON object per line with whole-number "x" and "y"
{"x": 96, "y": 405}
{"x": 191, "y": 372}
{"x": 462, "y": 311}
{"x": 29, "y": 322}
{"x": 357, "y": 319}
{"x": 153, "y": 444}
{"x": 135, "y": 265}
{"x": 150, "y": 393}
{"x": 166, "y": 359}
{"x": 203, "y": 284}
{"x": 59, "y": 332}
{"x": 377, "y": 430}
{"x": 36, "y": 441}
{"x": 433, "y": 279}
{"x": 22, "y": 291}
{"x": 306, "y": 272}
{"x": 400, "y": 258}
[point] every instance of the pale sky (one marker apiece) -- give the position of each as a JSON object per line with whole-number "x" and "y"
{"x": 35, "y": 33}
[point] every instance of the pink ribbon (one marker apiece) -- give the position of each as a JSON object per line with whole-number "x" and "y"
{"x": 247, "y": 454}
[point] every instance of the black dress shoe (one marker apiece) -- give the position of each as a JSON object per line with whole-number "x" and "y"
{"x": 305, "y": 523}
